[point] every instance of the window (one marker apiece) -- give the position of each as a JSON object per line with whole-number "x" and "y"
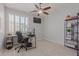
{"x": 22, "y": 24}
{"x": 17, "y": 23}
{"x": 11, "y": 23}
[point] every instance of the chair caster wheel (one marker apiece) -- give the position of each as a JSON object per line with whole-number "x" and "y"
{"x": 26, "y": 49}
{"x": 18, "y": 51}
{"x": 15, "y": 48}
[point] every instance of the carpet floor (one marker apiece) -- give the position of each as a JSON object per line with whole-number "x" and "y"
{"x": 44, "y": 48}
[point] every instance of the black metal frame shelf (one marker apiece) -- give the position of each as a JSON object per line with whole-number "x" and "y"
{"x": 73, "y": 39}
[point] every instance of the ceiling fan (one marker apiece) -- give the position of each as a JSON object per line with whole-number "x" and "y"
{"x": 40, "y": 9}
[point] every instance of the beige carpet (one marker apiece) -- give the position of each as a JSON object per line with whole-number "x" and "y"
{"x": 44, "y": 48}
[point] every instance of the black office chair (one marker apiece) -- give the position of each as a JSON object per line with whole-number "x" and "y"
{"x": 21, "y": 41}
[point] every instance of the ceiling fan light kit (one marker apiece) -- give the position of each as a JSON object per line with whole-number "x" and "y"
{"x": 40, "y": 11}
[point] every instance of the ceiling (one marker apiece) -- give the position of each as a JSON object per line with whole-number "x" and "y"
{"x": 26, "y": 7}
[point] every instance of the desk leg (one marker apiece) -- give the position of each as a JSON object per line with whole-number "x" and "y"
{"x": 35, "y": 41}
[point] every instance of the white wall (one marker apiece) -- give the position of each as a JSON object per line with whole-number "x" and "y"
{"x": 2, "y": 31}
{"x": 38, "y": 27}
{"x": 54, "y": 23}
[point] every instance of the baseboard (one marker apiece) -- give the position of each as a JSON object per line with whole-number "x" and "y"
{"x": 53, "y": 41}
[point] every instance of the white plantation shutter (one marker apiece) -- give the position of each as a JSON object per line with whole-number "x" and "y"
{"x": 17, "y": 23}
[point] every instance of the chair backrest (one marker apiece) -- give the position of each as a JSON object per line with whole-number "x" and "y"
{"x": 20, "y": 37}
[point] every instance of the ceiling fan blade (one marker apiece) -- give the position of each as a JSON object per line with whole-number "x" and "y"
{"x": 47, "y": 8}
{"x": 34, "y": 11}
{"x": 36, "y": 6}
{"x": 45, "y": 13}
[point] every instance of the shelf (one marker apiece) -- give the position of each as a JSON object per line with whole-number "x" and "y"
{"x": 68, "y": 38}
{"x": 68, "y": 34}
{"x": 71, "y": 43}
{"x": 72, "y": 33}
{"x": 72, "y": 19}
{"x": 68, "y": 27}
{"x": 71, "y": 40}
{"x": 9, "y": 45}
{"x": 70, "y": 47}
{"x": 9, "y": 42}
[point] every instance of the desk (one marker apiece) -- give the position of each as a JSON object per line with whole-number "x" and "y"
{"x": 31, "y": 36}
{"x": 14, "y": 39}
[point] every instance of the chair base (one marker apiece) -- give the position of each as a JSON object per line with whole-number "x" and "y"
{"x": 21, "y": 47}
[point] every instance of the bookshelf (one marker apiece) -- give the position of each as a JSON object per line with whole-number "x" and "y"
{"x": 71, "y": 33}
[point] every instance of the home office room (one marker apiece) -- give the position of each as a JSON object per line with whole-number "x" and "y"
{"x": 39, "y": 29}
